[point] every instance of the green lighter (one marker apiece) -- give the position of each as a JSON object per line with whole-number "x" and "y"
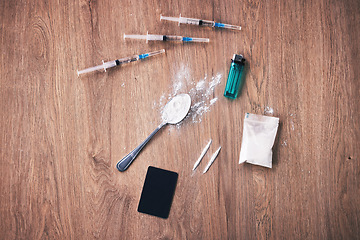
{"x": 234, "y": 81}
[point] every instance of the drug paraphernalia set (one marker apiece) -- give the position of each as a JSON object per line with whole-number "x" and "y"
{"x": 258, "y": 134}
{"x": 152, "y": 37}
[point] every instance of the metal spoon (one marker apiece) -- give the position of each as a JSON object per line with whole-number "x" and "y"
{"x": 174, "y": 111}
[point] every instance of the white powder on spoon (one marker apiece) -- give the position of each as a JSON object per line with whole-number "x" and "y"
{"x": 201, "y": 94}
{"x": 175, "y": 110}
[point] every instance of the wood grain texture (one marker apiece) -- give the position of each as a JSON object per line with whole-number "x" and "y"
{"x": 61, "y": 136}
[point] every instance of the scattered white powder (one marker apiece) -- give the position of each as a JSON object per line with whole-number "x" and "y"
{"x": 202, "y": 109}
{"x": 292, "y": 126}
{"x": 215, "y": 81}
{"x": 201, "y": 94}
{"x": 212, "y": 101}
{"x": 162, "y": 99}
{"x": 198, "y": 104}
{"x": 182, "y": 74}
{"x": 177, "y": 87}
{"x": 268, "y": 111}
{"x": 200, "y": 85}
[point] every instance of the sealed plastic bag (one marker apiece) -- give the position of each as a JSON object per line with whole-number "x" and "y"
{"x": 258, "y": 139}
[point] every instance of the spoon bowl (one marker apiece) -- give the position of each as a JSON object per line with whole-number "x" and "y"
{"x": 176, "y": 109}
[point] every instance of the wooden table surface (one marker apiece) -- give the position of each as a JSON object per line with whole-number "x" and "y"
{"x": 62, "y": 135}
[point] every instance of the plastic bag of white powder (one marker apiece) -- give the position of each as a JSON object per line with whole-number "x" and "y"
{"x": 258, "y": 139}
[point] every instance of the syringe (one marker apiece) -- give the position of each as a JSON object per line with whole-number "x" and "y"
{"x": 152, "y": 37}
{"x": 194, "y": 21}
{"x": 120, "y": 61}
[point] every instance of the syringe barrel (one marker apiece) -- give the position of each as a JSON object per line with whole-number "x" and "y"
{"x": 191, "y": 21}
{"x": 173, "y": 19}
{"x": 127, "y": 59}
{"x": 143, "y": 37}
{"x": 172, "y": 38}
{"x": 98, "y": 67}
{"x": 152, "y": 37}
{"x": 206, "y": 23}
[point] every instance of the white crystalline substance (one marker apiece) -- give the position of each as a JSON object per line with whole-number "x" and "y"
{"x": 215, "y": 81}
{"x": 177, "y": 87}
{"x": 268, "y": 111}
{"x": 200, "y": 85}
{"x": 176, "y": 109}
{"x": 258, "y": 139}
{"x": 182, "y": 74}
{"x": 202, "y": 109}
{"x": 212, "y": 101}
{"x": 201, "y": 94}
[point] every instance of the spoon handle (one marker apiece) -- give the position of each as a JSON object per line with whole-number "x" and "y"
{"x": 124, "y": 163}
